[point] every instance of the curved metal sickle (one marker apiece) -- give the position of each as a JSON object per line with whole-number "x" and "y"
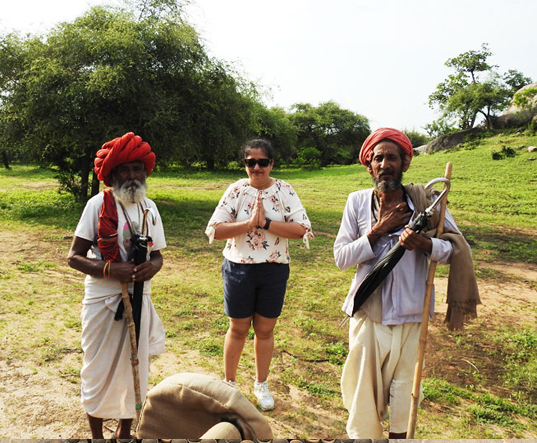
{"x": 438, "y": 180}
{"x": 447, "y": 186}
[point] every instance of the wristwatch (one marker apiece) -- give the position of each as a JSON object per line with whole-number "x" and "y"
{"x": 267, "y": 224}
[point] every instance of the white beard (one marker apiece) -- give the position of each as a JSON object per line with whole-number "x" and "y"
{"x": 132, "y": 191}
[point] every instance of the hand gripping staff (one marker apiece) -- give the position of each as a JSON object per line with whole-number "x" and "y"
{"x": 133, "y": 311}
{"x": 379, "y": 272}
{"x": 425, "y": 317}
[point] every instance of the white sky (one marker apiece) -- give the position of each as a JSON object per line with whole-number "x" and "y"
{"x": 378, "y": 58}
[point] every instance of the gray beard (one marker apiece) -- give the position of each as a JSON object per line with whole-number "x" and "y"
{"x": 132, "y": 191}
{"x": 389, "y": 186}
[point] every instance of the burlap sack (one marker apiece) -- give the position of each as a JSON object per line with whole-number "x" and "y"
{"x": 187, "y": 405}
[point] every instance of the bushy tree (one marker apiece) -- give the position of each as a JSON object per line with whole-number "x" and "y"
{"x": 439, "y": 127}
{"x": 337, "y": 133}
{"x": 111, "y": 71}
{"x": 275, "y": 125}
{"x": 308, "y": 158}
{"x": 475, "y": 89}
{"x": 417, "y": 138}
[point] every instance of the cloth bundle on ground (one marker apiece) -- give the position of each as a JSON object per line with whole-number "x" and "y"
{"x": 188, "y": 405}
{"x": 398, "y": 137}
{"x": 124, "y": 149}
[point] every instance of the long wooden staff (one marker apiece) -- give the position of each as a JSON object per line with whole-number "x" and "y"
{"x": 134, "y": 347}
{"x": 425, "y": 320}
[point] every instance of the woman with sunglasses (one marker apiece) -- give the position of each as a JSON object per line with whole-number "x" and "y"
{"x": 256, "y": 215}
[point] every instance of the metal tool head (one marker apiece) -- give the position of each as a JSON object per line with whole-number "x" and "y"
{"x": 439, "y": 180}
{"x": 438, "y": 199}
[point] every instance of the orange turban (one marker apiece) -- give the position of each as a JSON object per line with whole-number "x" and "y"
{"x": 380, "y": 134}
{"x": 124, "y": 149}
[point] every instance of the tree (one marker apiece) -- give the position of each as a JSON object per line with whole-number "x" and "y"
{"x": 516, "y": 80}
{"x": 337, "y": 133}
{"x": 223, "y": 116}
{"x": 417, "y": 139}
{"x": 116, "y": 70}
{"x": 275, "y": 125}
{"x": 439, "y": 127}
{"x": 464, "y": 95}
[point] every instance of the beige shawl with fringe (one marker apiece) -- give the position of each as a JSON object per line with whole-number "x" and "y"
{"x": 462, "y": 291}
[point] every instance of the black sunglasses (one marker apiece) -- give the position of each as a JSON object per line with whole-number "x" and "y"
{"x": 262, "y": 162}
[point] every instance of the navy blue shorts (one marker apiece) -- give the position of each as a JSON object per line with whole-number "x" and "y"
{"x": 254, "y": 288}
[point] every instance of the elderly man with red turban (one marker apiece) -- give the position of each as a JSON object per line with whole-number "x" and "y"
{"x": 102, "y": 250}
{"x": 384, "y": 331}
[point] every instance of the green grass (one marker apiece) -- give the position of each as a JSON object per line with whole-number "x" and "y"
{"x": 493, "y": 202}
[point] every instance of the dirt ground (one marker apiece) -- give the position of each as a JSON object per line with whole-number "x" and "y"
{"x": 35, "y": 402}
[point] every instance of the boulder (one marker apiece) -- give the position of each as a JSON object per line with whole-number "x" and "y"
{"x": 420, "y": 150}
{"x": 450, "y": 140}
{"x": 516, "y": 116}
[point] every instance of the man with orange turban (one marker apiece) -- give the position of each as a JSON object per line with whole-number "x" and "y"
{"x": 102, "y": 250}
{"x": 384, "y": 331}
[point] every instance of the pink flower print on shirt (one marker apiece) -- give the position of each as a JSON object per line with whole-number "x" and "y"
{"x": 249, "y": 208}
{"x": 274, "y": 202}
{"x": 235, "y": 192}
{"x": 274, "y": 256}
{"x": 256, "y": 240}
{"x": 289, "y": 188}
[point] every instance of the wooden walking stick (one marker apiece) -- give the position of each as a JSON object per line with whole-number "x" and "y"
{"x": 425, "y": 319}
{"x": 134, "y": 347}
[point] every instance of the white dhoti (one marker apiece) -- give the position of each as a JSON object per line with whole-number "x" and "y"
{"x": 107, "y": 388}
{"x": 378, "y": 372}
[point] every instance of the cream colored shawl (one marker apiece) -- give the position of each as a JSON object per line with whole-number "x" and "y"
{"x": 462, "y": 291}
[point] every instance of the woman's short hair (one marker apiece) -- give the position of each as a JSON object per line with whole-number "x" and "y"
{"x": 258, "y": 143}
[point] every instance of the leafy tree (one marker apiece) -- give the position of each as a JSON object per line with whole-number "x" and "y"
{"x": 275, "y": 125}
{"x": 418, "y": 139}
{"x": 116, "y": 70}
{"x": 464, "y": 95}
{"x": 439, "y": 127}
{"x": 337, "y": 133}
{"x": 516, "y": 80}
{"x": 222, "y": 117}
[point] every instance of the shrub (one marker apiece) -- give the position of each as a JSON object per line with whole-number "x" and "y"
{"x": 504, "y": 153}
{"x": 308, "y": 158}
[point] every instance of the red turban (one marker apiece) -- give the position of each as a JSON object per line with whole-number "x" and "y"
{"x": 124, "y": 149}
{"x": 398, "y": 137}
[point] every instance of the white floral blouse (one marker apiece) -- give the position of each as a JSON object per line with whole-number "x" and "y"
{"x": 281, "y": 203}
